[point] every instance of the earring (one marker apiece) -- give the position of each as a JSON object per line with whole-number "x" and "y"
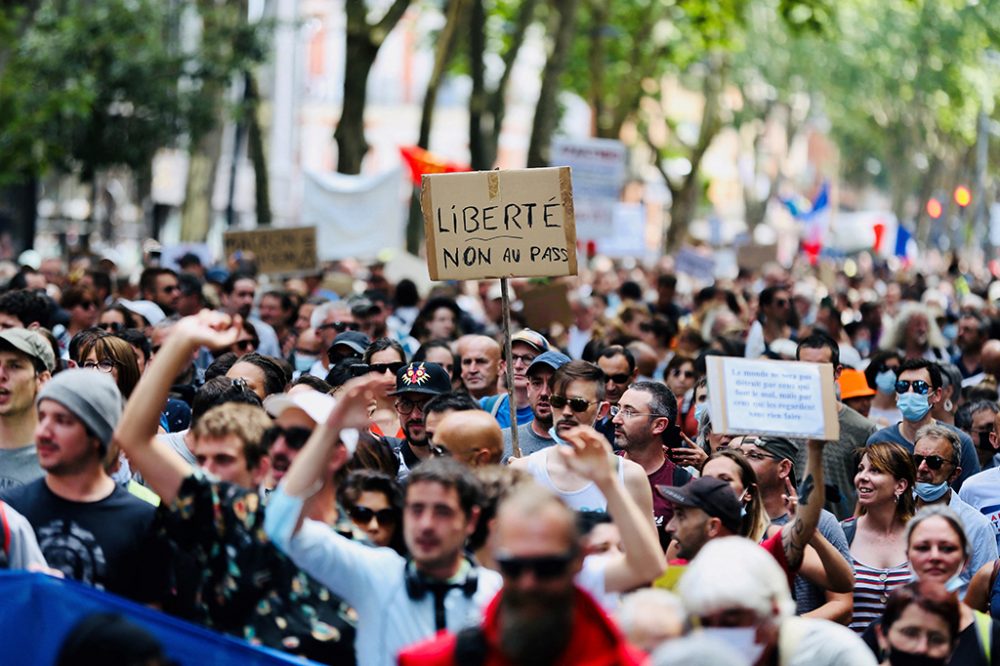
{"x": 897, "y": 497}
{"x": 948, "y": 405}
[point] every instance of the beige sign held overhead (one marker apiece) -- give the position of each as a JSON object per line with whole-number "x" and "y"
{"x": 495, "y": 224}
{"x": 786, "y": 398}
{"x": 546, "y": 304}
{"x": 286, "y": 250}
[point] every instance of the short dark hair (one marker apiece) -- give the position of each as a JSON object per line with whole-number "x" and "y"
{"x": 381, "y": 344}
{"x": 450, "y": 473}
{"x": 218, "y": 391}
{"x": 147, "y": 281}
{"x": 28, "y": 306}
{"x": 457, "y": 402}
{"x": 878, "y": 359}
{"x": 943, "y": 605}
{"x": 767, "y": 294}
{"x": 819, "y": 340}
{"x": 82, "y": 339}
{"x": 275, "y": 375}
{"x": 312, "y": 381}
{"x": 220, "y": 366}
{"x": 922, "y": 364}
{"x": 230, "y": 282}
{"x": 100, "y": 279}
{"x": 619, "y": 350}
{"x": 662, "y": 400}
{"x": 579, "y": 370}
{"x": 135, "y": 338}
{"x": 982, "y": 324}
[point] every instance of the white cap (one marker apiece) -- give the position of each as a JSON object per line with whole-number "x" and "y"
{"x": 317, "y": 407}
{"x": 148, "y": 310}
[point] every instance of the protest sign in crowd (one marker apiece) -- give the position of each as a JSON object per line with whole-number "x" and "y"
{"x": 770, "y": 469}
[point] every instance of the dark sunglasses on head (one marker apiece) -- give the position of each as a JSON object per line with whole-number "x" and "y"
{"x": 364, "y": 515}
{"x": 620, "y": 378}
{"x": 339, "y": 326}
{"x": 111, "y": 326}
{"x": 578, "y": 405}
{"x": 295, "y": 438}
{"x": 543, "y": 568}
{"x": 933, "y": 462}
{"x": 919, "y": 386}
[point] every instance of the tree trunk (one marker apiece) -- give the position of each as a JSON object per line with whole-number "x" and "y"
{"x": 255, "y": 150}
{"x": 596, "y": 56}
{"x": 442, "y": 57}
{"x": 547, "y": 110}
{"x": 480, "y": 156}
{"x": 196, "y": 215}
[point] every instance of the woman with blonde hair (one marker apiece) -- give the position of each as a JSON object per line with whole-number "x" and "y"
{"x": 877, "y": 536}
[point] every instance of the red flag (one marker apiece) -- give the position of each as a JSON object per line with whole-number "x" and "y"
{"x": 879, "y": 228}
{"x": 422, "y": 162}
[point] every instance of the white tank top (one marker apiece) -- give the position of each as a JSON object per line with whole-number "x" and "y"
{"x": 588, "y": 498}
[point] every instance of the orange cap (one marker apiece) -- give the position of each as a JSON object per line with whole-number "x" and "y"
{"x": 853, "y": 384}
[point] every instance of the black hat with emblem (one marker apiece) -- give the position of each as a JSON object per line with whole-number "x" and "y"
{"x": 423, "y": 377}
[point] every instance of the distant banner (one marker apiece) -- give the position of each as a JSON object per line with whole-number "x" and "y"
{"x": 422, "y": 162}
{"x": 285, "y": 250}
{"x": 354, "y": 216}
{"x": 38, "y": 612}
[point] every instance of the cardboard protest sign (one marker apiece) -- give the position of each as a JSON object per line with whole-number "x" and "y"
{"x": 495, "y": 224}
{"x": 286, "y": 250}
{"x": 784, "y": 398}
{"x": 546, "y": 304}
{"x": 753, "y": 257}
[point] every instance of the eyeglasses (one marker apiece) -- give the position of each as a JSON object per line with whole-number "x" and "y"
{"x": 364, "y": 515}
{"x": 106, "y": 365}
{"x": 578, "y": 405}
{"x": 933, "y": 462}
{"x": 111, "y": 326}
{"x": 439, "y": 451}
{"x": 405, "y": 405}
{"x": 382, "y": 368}
{"x": 919, "y": 386}
{"x": 620, "y": 378}
{"x": 629, "y": 413}
{"x": 295, "y": 438}
{"x": 169, "y": 289}
{"x": 677, "y": 372}
{"x": 339, "y": 326}
{"x": 542, "y": 568}
{"x": 523, "y": 358}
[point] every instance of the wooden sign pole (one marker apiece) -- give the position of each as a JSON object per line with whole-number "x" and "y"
{"x": 509, "y": 362}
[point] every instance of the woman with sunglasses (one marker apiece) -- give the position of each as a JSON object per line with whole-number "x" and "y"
{"x": 374, "y": 501}
{"x": 385, "y": 357}
{"x": 937, "y": 549}
{"x": 247, "y": 342}
{"x": 680, "y": 377}
{"x": 81, "y": 305}
{"x": 115, "y": 319}
{"x": 877, "y": 536}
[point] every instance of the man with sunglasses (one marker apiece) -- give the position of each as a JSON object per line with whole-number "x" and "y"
{"x": 774, "y": 312}
{"x": 577, "y": 398}
{"x": 918, "y": 389}
{"x": 620, "y": 371}
{"x": 238, "y": 582}
{"x": 542, "y": 615}
{"x": 935, "y": 457}
{"x": 329, "y": 320}
{"x": 160, "y": 285}
{"x": 416, "y": 384}
{"x": 534, "y": 436}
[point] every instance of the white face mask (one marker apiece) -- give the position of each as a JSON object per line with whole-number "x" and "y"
{"x": 743, "y": 640}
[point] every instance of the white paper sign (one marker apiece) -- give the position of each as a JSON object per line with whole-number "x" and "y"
{"x": 772, "y": 397}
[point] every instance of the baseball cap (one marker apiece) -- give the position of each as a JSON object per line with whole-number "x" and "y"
{"x": 148, "y": 310}
{"x": 779, "y": 448}
{"x": 531, "y": 338}
{"x": 30, "y": 343}
{"x": 355, "y": 340}
{"x": 316, "y": 405}
{"x": 422, "y": 377}
{"x": 550, "y": 359}
{"x": 713, "y": 496}
{"x": 853, "y": 384}
{"x": 361, "y": 306}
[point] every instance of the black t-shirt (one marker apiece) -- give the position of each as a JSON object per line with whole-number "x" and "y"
{"x": 110, "y": 544}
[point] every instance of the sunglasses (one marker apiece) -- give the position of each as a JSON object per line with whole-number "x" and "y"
{"x": 781, "y": 302}
{"x": 111, "y": 326}
{"x": 295, "y": 438}
{"x": 339, "y": 326}
{"x": 245, "y": 345}
{"x": 364, "y": 515}
{"x": 619, "y": 379}
{"x": 919, "y": 386}
{"x": 682, "y": 373}
{"x": 382, "y": 368}
{"x": 542, "y": 568}
{"x": 439, "y": 451}
{"x": 578, "y": 405}
{"x": 933, "y": 462}
{"x": 405, "y": 405}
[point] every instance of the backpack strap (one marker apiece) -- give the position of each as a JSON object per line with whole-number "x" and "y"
{"x": 850, "y": 529}
{"x": 471, "y": 647}
{"x": 495, "y": 409}
{"x": 984, "y": 632}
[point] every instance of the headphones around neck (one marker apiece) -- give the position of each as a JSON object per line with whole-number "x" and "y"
{"x": 418, "y": 585}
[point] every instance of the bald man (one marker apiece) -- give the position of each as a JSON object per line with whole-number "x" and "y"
{"x": 481, "y": 365}
{"x": 991, "y": 357}
{"x": 471, "y": 437}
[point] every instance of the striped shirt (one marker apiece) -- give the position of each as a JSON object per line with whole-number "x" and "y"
{"x": 872, "y": 588}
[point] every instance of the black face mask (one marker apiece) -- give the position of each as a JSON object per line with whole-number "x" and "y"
{"x": 899, "y": 658}
{"x": 984, "y": 441}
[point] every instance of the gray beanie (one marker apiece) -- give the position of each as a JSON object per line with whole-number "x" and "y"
{"x": 91, "y": 396}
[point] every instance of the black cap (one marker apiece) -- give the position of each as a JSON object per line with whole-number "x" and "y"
{"x": 354, "y": 340}
{"x": 422, "y": 377}
{"x": 779, "y": 448}
{"x": 713, "y": 496}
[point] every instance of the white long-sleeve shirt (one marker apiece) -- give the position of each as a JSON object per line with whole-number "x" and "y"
{"x": 372, "y": 580}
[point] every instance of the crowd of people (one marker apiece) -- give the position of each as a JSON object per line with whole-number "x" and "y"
{"x": 332, "y": 466}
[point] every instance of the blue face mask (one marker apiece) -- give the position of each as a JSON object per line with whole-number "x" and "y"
{"x": 303, "y": 362}
{"x": 553, "y": 433}
{"x": 950, "y": 332}
{"x": 699, "y": 410}
{"x": 885, "y": 382}
{"x": 930, "y": 492}
{"x": 913, "y": 406}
